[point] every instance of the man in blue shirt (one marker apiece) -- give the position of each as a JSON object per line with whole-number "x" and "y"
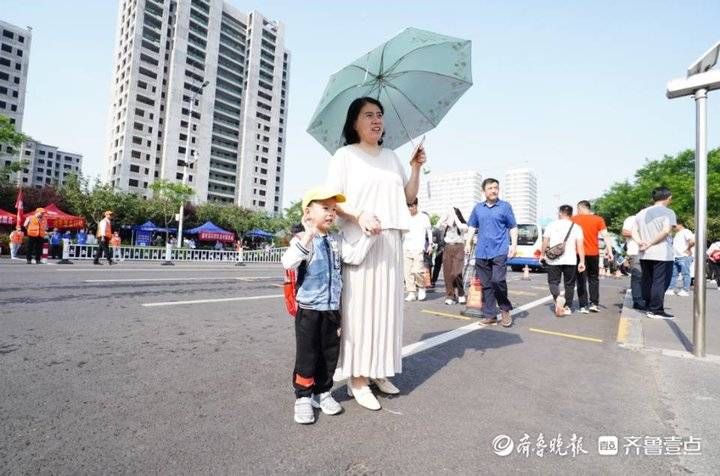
{"x": 493, "y": 218}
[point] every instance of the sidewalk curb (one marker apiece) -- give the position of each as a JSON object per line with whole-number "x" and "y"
{"x": 630, "y": 333}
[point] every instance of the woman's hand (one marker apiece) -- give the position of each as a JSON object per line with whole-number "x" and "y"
{"x": 419, "y": 157}
{"x": 369, "y": 223}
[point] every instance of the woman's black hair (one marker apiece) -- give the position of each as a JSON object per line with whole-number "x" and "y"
{"x": 349, "y": 133}
{"x": 460, "y": 216}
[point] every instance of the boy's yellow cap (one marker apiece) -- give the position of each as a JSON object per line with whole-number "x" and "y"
{"x": 321, "y": 193}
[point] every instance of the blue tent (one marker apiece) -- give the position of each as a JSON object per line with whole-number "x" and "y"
{"x": 150, "y": 226}
{"x": 258, "y": 233}
{"x": 209, "y": 231}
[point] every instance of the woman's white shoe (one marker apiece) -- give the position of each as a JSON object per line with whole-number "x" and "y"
{"x": 364, "y": 397}
{"x": 386, "y": 386}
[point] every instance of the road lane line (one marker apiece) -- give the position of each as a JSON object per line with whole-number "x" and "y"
{"x": 133, "y": 280}
{"x": 119, "y": 269}
{"x": 203, "y": 301}
{"x": 521, "y": 293}
{"x": 562, "y": 334}
{"x": 426, "y": 344}
{"x": 445, "y": 314}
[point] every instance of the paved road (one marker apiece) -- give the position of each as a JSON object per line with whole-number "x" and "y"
{"x": 117, "y": 370}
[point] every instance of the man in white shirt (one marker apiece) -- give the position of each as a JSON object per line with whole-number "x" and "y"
{"x": 563, "y": 230}
{"x": 652, "y": 233}
{"x": 683, "y": 242}
{"x": 633, "y": 250}
{"x": 415, "y": 243}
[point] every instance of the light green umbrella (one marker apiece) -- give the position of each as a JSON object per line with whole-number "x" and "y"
{"x": 417, "y": 76}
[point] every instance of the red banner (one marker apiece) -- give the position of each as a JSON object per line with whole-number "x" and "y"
{"x": 217, "y": 236}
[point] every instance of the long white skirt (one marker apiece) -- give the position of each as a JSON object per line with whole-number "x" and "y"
{"x": 372, "y": 312}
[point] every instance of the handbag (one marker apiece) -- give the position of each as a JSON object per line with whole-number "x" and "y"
{"x": 554, "y": 252}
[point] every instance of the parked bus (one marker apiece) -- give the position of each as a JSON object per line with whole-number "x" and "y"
{"x": 529, "y": 247}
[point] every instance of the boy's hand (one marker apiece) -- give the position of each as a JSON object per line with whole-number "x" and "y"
{"x": 310, "y": 229}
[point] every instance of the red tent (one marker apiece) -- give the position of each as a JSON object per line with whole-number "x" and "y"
{"x": 7, "y": 218}
{"x": 59, "y": 219}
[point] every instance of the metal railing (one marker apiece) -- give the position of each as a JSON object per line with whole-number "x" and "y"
{"x": 156, "y": 253}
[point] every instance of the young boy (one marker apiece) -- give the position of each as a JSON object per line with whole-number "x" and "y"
{"x": 319, "y": 254}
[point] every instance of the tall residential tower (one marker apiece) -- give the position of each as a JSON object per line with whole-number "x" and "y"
{"x": 165, "y": 51}
{"x": 521, "y": 190}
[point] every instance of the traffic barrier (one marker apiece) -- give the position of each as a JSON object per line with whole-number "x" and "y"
{"x": 473, "y": 306}
{"x": 156, "y": 253}
{"x": 45, "y": 252}
{"x": 65, "y": 252}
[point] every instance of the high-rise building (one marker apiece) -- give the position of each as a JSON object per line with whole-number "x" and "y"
{"x": 521, "y": 190}
{"x": 14, "y": 61}
{"x": 45, "y": 163}
{"x": 438, "y": 194}
{"x": 165, "y": 52}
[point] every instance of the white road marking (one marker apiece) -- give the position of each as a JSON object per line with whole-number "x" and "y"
{"x": 120, "y": 269}
{"x": 203, "y": 301}
{"x": 143, "y": 280}
{"x": 426, "y": 344}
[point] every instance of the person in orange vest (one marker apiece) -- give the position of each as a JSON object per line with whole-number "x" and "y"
{"x": 16, "y": 239}
{"x": 104, "y": 235}
{"x": 115, "y": 245}
{"x": 36, "y": 227}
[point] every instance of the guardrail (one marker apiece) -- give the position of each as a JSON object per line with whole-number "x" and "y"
{"x": 156, "y": 253}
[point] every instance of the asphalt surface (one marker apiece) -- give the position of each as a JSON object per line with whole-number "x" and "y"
{"x": 103, "y": 370}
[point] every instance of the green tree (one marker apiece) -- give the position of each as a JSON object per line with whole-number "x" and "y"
{"x": 168, "y": 196}
{"x": 10, "y": 137}
{"x": 674, "y": 172}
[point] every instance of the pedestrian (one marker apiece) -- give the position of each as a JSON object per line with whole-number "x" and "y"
{"x": 713, "y": 260}
{"x": 652, "y": 232}
{"x": 377, "y": 190}
{"x": 36, "y": 228}
{"x": 439, "y": 248}
{"x": 633, "y": 263}
{"x": 104, "y": 235}
{"x": 115, "y": 243}
{"x": 82, "y": 237}
{"x": 565, "y": 264}
{"x": 56, "y": 244}
{"x": 453, "y": 263}
{"x": 415, "y": 244}
{"x": 493, "y": 219}
{"x": 16, "y": 239}
{"x": 218, "y": 245}
{"x": 317, "y": 254}
{"x": 588, "y": 282}
{"x": 683, "y": 242}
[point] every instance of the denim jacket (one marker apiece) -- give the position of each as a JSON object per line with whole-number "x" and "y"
{"x": 321, "y": 286}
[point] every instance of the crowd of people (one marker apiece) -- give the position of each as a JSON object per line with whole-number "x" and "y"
{"x": 350, "y": 286}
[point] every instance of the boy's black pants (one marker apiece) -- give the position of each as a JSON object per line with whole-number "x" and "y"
{"x": 317, "y": 349}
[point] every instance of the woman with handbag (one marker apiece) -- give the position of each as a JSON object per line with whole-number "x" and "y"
{"x": 455, "y": 227}
{"x": 563, "y": 253}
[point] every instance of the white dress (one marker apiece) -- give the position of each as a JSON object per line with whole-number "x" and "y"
{"x": 372, "y": 298}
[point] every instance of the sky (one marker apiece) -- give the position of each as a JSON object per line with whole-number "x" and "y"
{"x": 574, "y": 90}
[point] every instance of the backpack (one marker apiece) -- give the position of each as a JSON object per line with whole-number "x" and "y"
{"x": 291, "y": 284}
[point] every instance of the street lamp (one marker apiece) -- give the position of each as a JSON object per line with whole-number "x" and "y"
{"x": 181, "y": 216}
{"x": 700, "y": 79}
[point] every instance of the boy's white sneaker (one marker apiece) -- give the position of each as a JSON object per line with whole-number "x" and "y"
{"x": 683, "y": 293}
{"x": 421, "y": 294}
{"x": 410, "y": 297}
{"x": 670, "y": 292}
{"x": 326, "y": 403}
{"x": 304, "y": 413}
{"x": 462, "y": 300}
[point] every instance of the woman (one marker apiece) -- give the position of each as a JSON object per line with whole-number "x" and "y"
{"x": 455, "y": 227}
{"x": 377, "y": 190}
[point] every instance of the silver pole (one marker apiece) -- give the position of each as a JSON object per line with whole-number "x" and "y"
{"x": 187, "y": 159}
{"x": 699, "y": 309}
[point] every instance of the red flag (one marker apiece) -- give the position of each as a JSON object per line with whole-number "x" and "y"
{"x": 19, "y": 207}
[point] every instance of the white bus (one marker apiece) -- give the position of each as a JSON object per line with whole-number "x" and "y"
{"x": 529, "y": 247}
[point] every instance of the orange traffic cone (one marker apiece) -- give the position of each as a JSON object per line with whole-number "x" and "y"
{"x": 473, "y": 307}
{"x": 45, "y": 253}
{"x": 526, "y": 273}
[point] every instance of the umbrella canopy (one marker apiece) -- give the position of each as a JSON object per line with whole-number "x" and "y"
{"x": 57, "y": 218}
{"x": 209, "y": 231}
{"x": 7, "y": 218}
{"x": 417, "y": 76}
{"x": 258, "y": 233}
